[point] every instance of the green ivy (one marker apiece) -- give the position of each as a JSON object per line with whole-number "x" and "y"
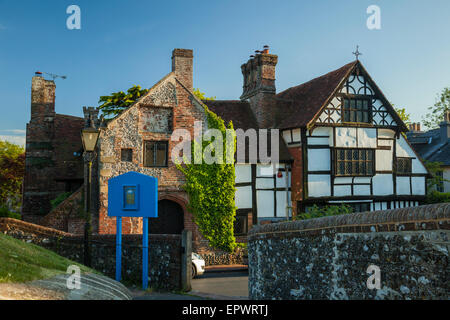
{"x": 211, "y": 190}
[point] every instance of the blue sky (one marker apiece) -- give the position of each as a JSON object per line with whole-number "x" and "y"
{"x": 122, "y": 43}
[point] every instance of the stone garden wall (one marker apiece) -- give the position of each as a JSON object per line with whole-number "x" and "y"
{"x": 165, "y": 252}
{"x": 328, "y": 258}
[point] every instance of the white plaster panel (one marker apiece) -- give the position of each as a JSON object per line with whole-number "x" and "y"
{"x": 264, "y": 183}
{"x": 383, "y": 160}
{"x": 265, "y": 203}
{"x": 281, "y": 182}
{"x": 367, "y": 138}
{"x": 403, "y": 149}
{"x": 418, "y": 167}
{"x": 386, "y": 133}
{"x": 382, "y": 185}
{"x": 362, "y": 180}
{"x": 265, "y": 170}
{"x": 318, "y": 159}
{"x": 243, "y": 173}
{"x": 319, "y": 185}
{"x": 340, "y": 191}
{"x": 387, "y": 143}
{"x": 346, "y": 137}
{"x": 318, "y": 141}
{"x": 418, "y": 185}
{"x": 322, "y": 131}
{"x": 359, "y": 190}
{"x": 243, "y": 197}
{"x": 287, "y": 136}
{"x": 296, "y": 135}
{"x": 281, "y": 204}
{"x": 342, "y": 180}
{"x": 403, "y": 186}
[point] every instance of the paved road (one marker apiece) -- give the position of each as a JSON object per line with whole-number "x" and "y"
{"x": 228, "y": 284}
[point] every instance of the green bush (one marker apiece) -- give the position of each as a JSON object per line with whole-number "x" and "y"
{"x": 63, "y": 196}
{"x": 6, "y": 213}
{"x": 437, "y": 197}
{"x": 318, "y": 212}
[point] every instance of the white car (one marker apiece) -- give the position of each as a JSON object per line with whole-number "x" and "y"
{"x": 198, "y": 265}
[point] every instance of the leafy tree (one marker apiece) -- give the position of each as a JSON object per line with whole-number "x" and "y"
{"x": 436, "y": 114}
{"x": 201, "y": 95}
{"x": 211, "y": 190}
{"x": 436, "y": 170}
{"x": 12, "y": 169}
{"x": 406, "y": 117}
{"x": 115, "y": 103}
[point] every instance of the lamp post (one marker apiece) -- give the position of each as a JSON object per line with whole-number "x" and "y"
{"x": 89, "y": 136}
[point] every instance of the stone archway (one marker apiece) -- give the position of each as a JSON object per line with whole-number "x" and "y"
{"x": 170, "y": 218}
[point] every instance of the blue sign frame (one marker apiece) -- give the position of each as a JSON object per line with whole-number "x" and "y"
{"x": 133, "y": 194}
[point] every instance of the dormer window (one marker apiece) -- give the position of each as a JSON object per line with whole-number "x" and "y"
{"x": 356, "y": 110}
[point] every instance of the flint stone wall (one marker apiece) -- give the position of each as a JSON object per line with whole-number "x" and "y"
{"x": 328, "y": 258}
{"x": 164, "y": 252}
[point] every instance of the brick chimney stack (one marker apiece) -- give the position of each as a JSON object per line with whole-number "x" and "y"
{"x": 445, "y": 127}
{"x": 42, "y": 97}
{"x": 259, "y": 85}
{"x": 414, "y": 127}
{"x": 259, "y": 74}
{"x": 182, "y": 65}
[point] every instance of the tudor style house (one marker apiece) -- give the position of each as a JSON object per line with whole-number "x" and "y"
{"x": 340, "y": 141}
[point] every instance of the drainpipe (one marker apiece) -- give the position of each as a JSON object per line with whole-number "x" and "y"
{"x": 287, "y": 166}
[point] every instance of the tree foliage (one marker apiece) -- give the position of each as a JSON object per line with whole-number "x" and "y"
{"x": 211, "y": 190}
{"x": 117, "y": 102}
{"x": 435, "y": 168}
{"x": 12, "y": 169}
{"x": 318, "y": 212}
{"x": 406, "y": 117}
{"x": 201, "y": 95}
{"x": 436, "y": 114}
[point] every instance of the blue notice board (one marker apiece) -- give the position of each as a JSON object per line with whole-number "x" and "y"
{"x": 133, "y": 194}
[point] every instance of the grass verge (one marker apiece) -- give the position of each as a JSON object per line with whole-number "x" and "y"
{"x": 22, "y": 262}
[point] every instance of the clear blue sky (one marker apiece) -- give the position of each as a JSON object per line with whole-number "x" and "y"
{"x": 122, "y": 43}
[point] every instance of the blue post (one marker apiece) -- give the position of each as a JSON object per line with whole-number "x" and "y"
{"x": 119, "y": 248}
{"x": 145, "y": 254}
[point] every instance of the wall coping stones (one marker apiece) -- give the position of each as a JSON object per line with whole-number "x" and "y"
{"x": 429, "y": 217}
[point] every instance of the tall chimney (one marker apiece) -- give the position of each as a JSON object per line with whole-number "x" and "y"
{"x": 259, "y": 86}
{"x": 42, "y": 97}
{"x": 182, "y": 65}
{"x": 259, "y": 74}
{"x": 414, "y": 127}
{"x": 445, "y": 127}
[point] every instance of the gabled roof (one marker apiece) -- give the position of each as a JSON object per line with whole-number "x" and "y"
{"x": 308, "y": 98}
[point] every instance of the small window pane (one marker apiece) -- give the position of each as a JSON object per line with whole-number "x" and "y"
{"x": 126, "y": 155}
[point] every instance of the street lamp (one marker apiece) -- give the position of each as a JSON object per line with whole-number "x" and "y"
{"x": 89, "y": 136}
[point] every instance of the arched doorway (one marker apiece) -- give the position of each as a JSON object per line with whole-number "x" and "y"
{"x": 170, "y": 219}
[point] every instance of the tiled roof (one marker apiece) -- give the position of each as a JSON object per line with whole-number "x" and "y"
{"x": 442, "y": 154}
{"x": 237, "y": 111}
{"x": 307, "y": 98}
{"x": 241, "y": 115}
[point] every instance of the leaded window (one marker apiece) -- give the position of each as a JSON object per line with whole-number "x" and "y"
{"x": 126, "y": 155}
{"x": 356, "y": 110}
{"x": 404, "y": 165}
{"x": 155, "y": 153}
{"x": 355, "y": 162}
